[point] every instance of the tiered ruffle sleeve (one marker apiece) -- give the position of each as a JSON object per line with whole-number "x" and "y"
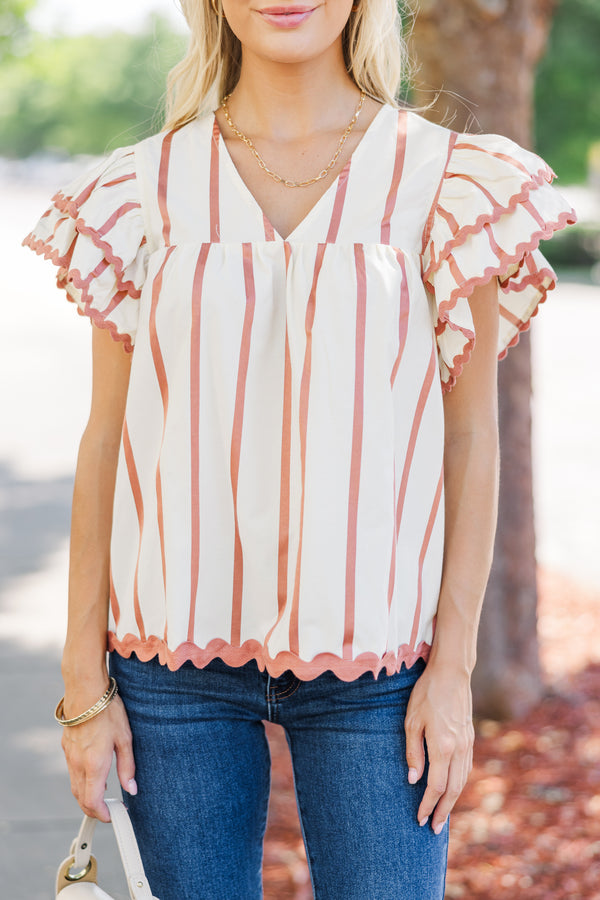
{"x": 94, "y": 232}
{"x": 494, "y": 206}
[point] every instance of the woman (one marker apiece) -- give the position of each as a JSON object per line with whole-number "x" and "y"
{"x": 303, "y": 272}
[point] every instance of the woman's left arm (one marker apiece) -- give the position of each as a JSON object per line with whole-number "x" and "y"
{"x": 440, "y": 707}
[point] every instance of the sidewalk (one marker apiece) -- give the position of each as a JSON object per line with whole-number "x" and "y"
{"x": 45, "y": 374}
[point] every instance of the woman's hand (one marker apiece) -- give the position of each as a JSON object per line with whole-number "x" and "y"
{"x": 440, "y": 713}
{"x": 89, "y": 750}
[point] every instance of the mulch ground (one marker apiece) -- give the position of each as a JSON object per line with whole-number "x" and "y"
{"x": 528, "y": 821}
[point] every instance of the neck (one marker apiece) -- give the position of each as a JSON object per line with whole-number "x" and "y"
{"x": 286, "y": 101}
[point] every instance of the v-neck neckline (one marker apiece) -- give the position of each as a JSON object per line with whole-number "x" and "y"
{"x": 315, "y": 208}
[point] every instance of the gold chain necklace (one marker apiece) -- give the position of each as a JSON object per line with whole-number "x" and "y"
{"x": 279, "y": 178}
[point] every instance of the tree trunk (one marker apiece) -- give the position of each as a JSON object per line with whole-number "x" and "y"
{"x": 482, "y": 54}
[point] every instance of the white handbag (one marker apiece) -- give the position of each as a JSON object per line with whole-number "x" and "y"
{"x": 77, "y": 874}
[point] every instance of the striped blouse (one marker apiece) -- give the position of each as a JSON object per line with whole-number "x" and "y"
{"x": 279, "y": 491}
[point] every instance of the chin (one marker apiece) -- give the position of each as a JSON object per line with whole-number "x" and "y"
{"x": 287, "y": 56}
{"x": 288, "y": 45}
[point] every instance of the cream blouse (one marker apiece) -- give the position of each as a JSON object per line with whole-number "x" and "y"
{"x": 279, "y": 492}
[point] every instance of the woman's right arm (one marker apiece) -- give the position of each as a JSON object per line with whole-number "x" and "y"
{"x": 89, "y": 747}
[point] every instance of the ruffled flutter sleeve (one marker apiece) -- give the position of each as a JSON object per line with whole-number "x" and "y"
{"x": 94, "y": 232}
{"x": 494, "y": 206}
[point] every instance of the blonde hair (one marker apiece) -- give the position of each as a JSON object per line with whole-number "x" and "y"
{"x": 374, "y": 52}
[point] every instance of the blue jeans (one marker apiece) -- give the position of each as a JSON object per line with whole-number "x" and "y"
{"x": 203, "y": 774}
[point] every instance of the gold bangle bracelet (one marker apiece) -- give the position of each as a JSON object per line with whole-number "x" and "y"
{"x": 101, "y": 704}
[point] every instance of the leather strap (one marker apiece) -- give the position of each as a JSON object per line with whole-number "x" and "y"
{"x": 81, "y": 853}
{"x": 137, "y": 882}
{"x": 81, "y": 847}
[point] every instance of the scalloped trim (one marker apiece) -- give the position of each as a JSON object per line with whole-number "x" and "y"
{"x": 98, "y": 317}
{"x": 490, "y": 218}
{"x": 71, "y": 208}
{"x": 505, "y": 262}
{"x": 44, "y": 248}
{"x": 84, "y": 306}
{"x": 534, "y": 280}
{"x": 344, "y": 669}
{"x": 531, "y": 280}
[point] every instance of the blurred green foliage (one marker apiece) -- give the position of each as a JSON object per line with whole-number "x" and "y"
{"x": 13, "y": 25}
{"x": 86, "y": 94}
{"x": 567, "y": 102}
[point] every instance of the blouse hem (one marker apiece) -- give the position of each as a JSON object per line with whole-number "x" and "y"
{"x": 344, "y": 669}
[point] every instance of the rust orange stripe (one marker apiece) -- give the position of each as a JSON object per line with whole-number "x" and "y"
{"x": 392, "y": 577}
{"x": 286, "y": 442}
{"x": 139, "y": 508}
{"x": 432, "y": 211}
{"x": 414, "y": 432}
{"x": 161, "y": 376}
{"x": 100, "y": 268}
{"x": 357, "y": 430}
{"x": 116, "y": 299}
{"x": 284, "y": 495}
{"x": 195, "y": 430}
{"x": 487, "y": 194}
{"x": 424, "y": 393}
{"x": 118, "y": 214}
{"x": 114, "y": 603}
{"x": 269, "y": 230}
{"x": 456, "y": 273}
{"x": 236, "y": 440}
{"x": 403, "y": 315}
{"x": 528, "y": 205}
{"x": 424, "y": 546}
{"x": 496, "y": 249}
{"x": 338, "y": 205}
{"x": 463, "y": 145}
{"x": 403, "y": 333}
{"x": 452, "y": 223}
{"x": 390, "y": 203}
{"x": 163, "y": 173}
{"x": 303, "y": 414}
{"x": 284, "y": 490}
{"x": 85, "y": 193}
{"x": 131, "y": 177}
{"x": 507, "y": 314}
{"x": 215, "y": 226}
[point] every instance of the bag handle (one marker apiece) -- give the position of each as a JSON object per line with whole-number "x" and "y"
{"x": 81, "y": 850}
{"x": 139, "y": 889}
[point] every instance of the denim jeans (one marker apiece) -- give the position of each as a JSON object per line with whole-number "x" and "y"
{"x": 203, "y": 774}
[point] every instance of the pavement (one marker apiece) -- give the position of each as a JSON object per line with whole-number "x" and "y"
{"x": 45, "y": 375}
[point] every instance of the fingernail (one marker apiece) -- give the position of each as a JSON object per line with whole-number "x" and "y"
{"x": 412, "y": 776}
{"x": 424, "y": 821}
{"x": 438, "y": 828}
{"x": 132, "y": 787}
